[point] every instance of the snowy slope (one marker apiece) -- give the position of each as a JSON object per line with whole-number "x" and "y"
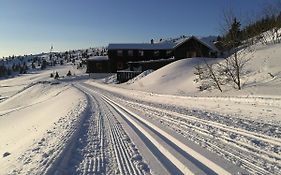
{"x": 266, "y": 60}
{"x": 175, "y": 78}
{"x": 11, "y": 86}
{"x": 30, "y": 118}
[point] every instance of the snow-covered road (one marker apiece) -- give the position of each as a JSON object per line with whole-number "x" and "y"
{"x": 77, "y": 127}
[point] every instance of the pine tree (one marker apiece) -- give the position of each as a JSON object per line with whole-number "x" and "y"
{"x": 234, "y": 34}
{"x": 57, "y": 75}
{"x": 68, "y": 73}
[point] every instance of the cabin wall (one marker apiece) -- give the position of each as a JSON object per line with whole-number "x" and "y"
{"x": 103, "y": 66}
{"x": 143, "y": 66}
{"x": 120, "y": 62}
{"x": 191, "y": 48}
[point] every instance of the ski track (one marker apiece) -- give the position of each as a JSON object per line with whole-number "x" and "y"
{"x": 257, "y": 151}
{"x": 220, "y": 139}
{"x": 93, "y": 141}
{"x": 202, "y": 164}
{"x": 99, "y": 145}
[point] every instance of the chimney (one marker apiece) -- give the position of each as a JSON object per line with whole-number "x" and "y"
{"x": 151, "y": 41}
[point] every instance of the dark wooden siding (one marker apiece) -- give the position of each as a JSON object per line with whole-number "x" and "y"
{"x": 120, "y": 62}
{"x": 192, "y": 48}
{"x": 123, "y": 76}
{"x": 143, "y": 66}
{"x": 99, "y": 66}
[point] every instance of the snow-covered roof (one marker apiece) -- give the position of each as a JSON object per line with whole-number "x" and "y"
{"x": 99, "y": 58}
{"x": 208, "y": 41}
{"x": 164, "y": 45}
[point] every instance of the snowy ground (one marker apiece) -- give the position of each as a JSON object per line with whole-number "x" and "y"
{"x": 156, "y": 124}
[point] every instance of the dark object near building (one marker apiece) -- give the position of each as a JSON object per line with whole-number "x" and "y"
{"x": 123, "y": 76}
{"x": 146, "y": 65}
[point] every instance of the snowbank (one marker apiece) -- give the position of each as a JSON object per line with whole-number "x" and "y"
{"x": 140, "y": 76}
{"x": 175, "y": 78}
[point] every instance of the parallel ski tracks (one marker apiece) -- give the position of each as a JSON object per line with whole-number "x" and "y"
{"x": 205, "y": 166}
{"x": 119, "y": 151}
{"x": 95, "y": 162}
{"x": 239, "y": 150}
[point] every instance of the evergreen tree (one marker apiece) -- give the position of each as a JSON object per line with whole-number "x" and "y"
{"x": 233, "y": 36}
{"x": 68, "y": 73}
{"x": 57, "y": 75}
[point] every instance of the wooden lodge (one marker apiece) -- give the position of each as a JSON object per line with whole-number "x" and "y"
{"x": 144, "y": 56}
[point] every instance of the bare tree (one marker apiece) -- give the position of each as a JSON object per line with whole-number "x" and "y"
{"x": 199, "y": 72}
{"x": 207, "y": 76}
{"x": 234, "y": 67}
{"x": 213, "y": 76}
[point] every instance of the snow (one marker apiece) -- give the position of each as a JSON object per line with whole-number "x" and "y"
{"x": 140, "y": 76}
{"x": 11, "y": 86}
{"x": 110, "y": 79}
{"x": 26, "y": 117}
{"x": 175, "y": 78}
{"x": 156, "y": 123}
{"x": 265, "y": 60}
{"x": 241, "y": 126}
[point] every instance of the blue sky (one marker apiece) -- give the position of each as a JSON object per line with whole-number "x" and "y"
{"x": 32, "y": 26}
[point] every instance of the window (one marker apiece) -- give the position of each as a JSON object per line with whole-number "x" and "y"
{"x": 119, "y": 53}
{"x": 141, "y": 53}
{"x": 156, "y": 53}
{"x": 130, "y": 53}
